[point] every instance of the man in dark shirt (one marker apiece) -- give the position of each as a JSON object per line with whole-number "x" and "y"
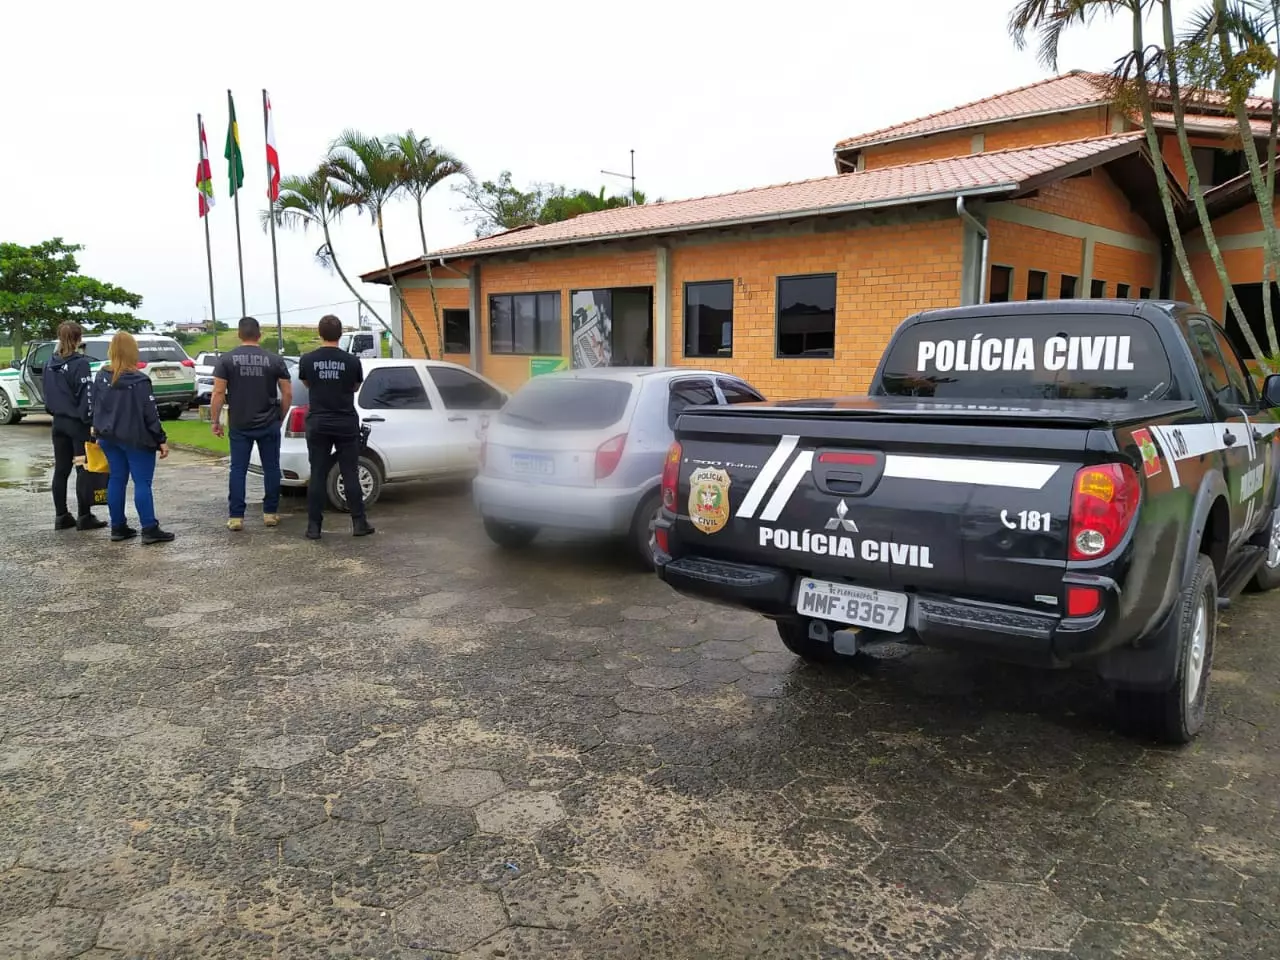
{"x": 257, "y": 389}
{"x": 332, "y": 377}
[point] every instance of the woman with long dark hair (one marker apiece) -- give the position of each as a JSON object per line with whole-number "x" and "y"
{"x": 127, "y": 423}
{"x": 66, "y": 381}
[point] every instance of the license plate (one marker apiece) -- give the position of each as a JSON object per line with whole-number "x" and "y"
{"x": 166, "y": 374}
{"x": 532, "y": 463}
{"x": 860, "y": 606}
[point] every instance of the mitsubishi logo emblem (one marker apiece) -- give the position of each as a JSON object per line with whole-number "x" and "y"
{"x": 840, "y": 521}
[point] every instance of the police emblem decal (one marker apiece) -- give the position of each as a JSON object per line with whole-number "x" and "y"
{"x": 709, "y": 499}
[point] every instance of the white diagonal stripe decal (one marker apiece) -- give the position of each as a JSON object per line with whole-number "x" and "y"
{"x": 768, "y": 473}
{"x": 799, "y": 467}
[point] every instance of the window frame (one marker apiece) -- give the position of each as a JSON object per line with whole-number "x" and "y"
{"x": 777, "y": 314}
{"x": 1144, "y": 293}
{"x": 1008, "y": 273}
{"x": 1096, "y": 285}
{"x": 370, "y": 378}
{"x": 685, "y": 317}
{"x": 1075, "y": 287}
{"x": 1123, "y": 291}
{"x": 444, "y": 327}
{"x": 538, "y": 324}
{"x": 1044, "y": 284}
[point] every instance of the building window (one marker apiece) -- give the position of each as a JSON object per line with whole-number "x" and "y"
{"x": 1144, "y": 293}
{"x": 1122, "y": 291}
{"x": 457, "y": 331}
{"x": 806, "y": 322}
{"x": 1001, "y": 284}
{"x": 1037, "y": 282}
{"x": 1215, "y": 166}
{"x": 708, "y": 319}
{"x": 1097, "y": 289}
{"x": 1067, "y": 289}
{"x": 525, "y": 323}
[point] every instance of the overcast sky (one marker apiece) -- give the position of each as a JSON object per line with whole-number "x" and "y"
{"x": 100, "y": 99}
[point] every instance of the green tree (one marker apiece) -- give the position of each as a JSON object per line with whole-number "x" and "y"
{"x": 367, "y": 171}
{"x": 41, "y": 286}
{"x": 423, "y": 166}
{"x": 496, "y": 205}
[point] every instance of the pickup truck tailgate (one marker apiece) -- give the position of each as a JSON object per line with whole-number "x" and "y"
{"x": 885, "y": 498}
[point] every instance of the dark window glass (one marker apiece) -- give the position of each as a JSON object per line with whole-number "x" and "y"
{"x": 1122, "y": 291}
{"x": 527, "y": 323}
{"x": 549, "y": 323}
{"x": 708, "y": 319}
{"x": 394, "y": 388}
{"x": 500, "y": 331}
{"x": 457, "y": 331}
{"x": 807, "y": 316}
{"x": 688, "y": 393}
{"x": 1236, "y": 372}
{"x": 1001, "y": 286}
{"x": 40, "y": 356}
{"x": 461, "y": 390}
{"x": 1216, "y": 166}
{"x": 1067, "y": 289}
{"x": 1029, "y": 357}
{"x": 1098, "y": 289}
{"x": 526, "y": 314}
{"x": 1144, "y": 293}
{"x": 1223, "y": 372}
{"x": 1037, "y": 282}
{"x": 736, "y": 392}
{"x": 154, "y": 353}
{"x": 567, "y": 403}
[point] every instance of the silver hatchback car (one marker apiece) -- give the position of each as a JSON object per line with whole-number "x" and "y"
{"x": 583, "y": 451}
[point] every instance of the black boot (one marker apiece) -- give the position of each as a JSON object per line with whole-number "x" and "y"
{"x": 313, "y": 530}
{"x": 360, "y": 527}
{"x": 155, "y": 535}
{"x": 87, "y": 521}
{"x": 123, "y": 533}
{"x": 64, "y": 521}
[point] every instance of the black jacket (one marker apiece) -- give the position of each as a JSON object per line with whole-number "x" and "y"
{"x": 66, "y": 383}
{"x": 126, "y": 410}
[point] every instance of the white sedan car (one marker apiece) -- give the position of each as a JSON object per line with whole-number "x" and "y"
{"x": 425, "y": 418}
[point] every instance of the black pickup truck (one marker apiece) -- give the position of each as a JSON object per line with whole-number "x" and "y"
{"x": 1063, "y": 483}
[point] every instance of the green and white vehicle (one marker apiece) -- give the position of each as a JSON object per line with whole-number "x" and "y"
{"x": 172, "y": 373}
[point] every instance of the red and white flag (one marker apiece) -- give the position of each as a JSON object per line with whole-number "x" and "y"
{"x": 204, "y": 176}
{"x": 273, "y": 158}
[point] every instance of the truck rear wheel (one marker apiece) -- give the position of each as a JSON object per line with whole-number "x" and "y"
{"x": 1176, "y": 715}
{"x": 794, "y": 635}
{"x": 1268, "y": 575}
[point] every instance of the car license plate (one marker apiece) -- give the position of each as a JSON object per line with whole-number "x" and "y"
{"x": 166, "y": 374}
{"x": 532, "y": 463}
{"x": 860, "y": 606}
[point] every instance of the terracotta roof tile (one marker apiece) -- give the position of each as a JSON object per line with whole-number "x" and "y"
{"x": 1210, "y": 123}
{"x": 998, "y": 171}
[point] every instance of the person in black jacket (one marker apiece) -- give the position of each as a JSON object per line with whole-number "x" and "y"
{"x": 66, "y": 381}
{"x": 127, "y": 423}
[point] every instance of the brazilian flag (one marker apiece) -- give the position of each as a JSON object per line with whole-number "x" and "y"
{"x": 235, "y": 162}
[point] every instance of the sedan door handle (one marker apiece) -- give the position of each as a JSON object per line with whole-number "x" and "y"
{"x": 458, "y": 419}
{"x": 1229, "y": 438}
{"x": 374, "y": 420}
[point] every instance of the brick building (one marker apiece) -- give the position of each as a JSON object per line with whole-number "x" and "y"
{"x": 1043, "y": 192}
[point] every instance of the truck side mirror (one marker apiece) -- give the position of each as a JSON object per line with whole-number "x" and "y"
{"x": 1271, "y": 391}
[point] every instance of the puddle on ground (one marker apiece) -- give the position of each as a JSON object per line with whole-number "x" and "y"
{"x": 21, "y": 472}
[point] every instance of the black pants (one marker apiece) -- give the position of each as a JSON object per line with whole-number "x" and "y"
{"x": 69, "y": 436}
{"x": 323, "y": 447}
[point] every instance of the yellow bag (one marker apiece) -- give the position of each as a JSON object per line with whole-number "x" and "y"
{"x": 95, "y": 461}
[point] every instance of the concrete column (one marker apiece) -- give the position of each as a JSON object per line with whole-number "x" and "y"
{"x": 397, "y": 321}
{"x": 1086, "y": 269}
{"x": 662, "y": 310}
{"x": 475, "y": 302}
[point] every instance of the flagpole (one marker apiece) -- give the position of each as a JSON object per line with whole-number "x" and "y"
{"x": 208, "y": 246}
{"x": 275, "y": 265}
{"x": 235, "y": 198}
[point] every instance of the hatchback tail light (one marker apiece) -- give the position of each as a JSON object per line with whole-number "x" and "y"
{"x": 671, "y": 476}
{"x": 296, "y": 423}
{"x": 609, "y": 455}
{"x": 1104, "y": 502}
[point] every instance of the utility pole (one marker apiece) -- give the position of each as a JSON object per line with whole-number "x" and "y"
{"x": 631, "y": 177}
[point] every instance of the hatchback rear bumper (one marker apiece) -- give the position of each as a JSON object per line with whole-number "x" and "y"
{"x": 586, "y": 509}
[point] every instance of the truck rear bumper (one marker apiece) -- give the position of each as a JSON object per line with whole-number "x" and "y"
{"x": 998, "y": 631}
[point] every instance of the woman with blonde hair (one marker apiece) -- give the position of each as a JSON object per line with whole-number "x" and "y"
{"x": 66, "y": 380}
{"x": 127, "y": 423}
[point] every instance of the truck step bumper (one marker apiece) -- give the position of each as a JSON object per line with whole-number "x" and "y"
{"x": 766, "y": 590}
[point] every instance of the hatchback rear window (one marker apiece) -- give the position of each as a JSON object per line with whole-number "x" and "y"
{"x": 157, "y": 352}
{"x": 1030, "y": 356}
{"x": 565, "y": 403}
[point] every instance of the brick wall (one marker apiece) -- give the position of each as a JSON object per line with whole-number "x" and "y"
{"x": 1028, "y": 248}
{"x": 1119, "y": 265}
{"x": 419, "y": 301}
{"x": 1091, "y": 199}
{"x": 997, "y": 136}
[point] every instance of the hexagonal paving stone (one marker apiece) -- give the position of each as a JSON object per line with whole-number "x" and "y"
{"x": 557, "y": 899}
{"x": 449, "y": 918}
{"x": 487, "y": 859}
{"x": 49, "y": 934}
{"x": 1108, "y": 941}
{"x": 659, "y": 678}
{"x": 387, "y": 879}
{"x": 282, "y": 752}
{"x": 923, "y": 874}
{"x": 508, "y": 615}
{"x": 1021, "y": 916}
{"x": 911, "y": 825}
{"x": 770, "y": 662}
{"x": 373, "y": 801}
{"x": 276, "y": 817}
{"x": 427, "y": 829}
{"x": 101, "y": 886}
{"x": 165, "y": 917}
{"x": 645, "y": 613}
{"x": 836, "y": 801}
{"x": 519, "y": 813}
{"x": 996, "y": 856}
{"x": 331, "y": 845}
{"x": 1104, "y": 892}
{"x": 26, "y": 891}
{"x": 724, "y": 649}
{"x": 460, "y": 788}
{"x": 519, "y": 942}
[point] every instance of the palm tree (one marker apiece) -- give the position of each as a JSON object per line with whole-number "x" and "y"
{"x": 423, "y": 166}
{"x": 312, "y": 201}
{"x": 368, "y": 172}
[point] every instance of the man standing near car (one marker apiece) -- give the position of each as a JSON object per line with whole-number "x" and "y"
{"x": 332, "y": 377}
{"x": 256, "y": 387}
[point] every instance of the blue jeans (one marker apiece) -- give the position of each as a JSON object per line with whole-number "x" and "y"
{"x": 242, "y": 441}
{"x": 125, "y": 463}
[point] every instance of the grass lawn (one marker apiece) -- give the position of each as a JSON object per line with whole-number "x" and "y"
{"x": 196, "y": 433}
{"x": 6, "y": 356}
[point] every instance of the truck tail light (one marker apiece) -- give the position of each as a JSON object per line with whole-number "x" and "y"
{"x": 142, "y": 364}
{"x": 609, "y": 455}
{"x": 671, "y": 476}
{"x": 188, "y": 362}
{"x": 296, "y": 424}
{"x": 1104, "y": 502}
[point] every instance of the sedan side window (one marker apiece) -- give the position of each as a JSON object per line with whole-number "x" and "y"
{"x": 688, "y": 393}
{"x": 394, "y": 388}
{"x": 461, "y": 390}
{"x": 737, "y": 392}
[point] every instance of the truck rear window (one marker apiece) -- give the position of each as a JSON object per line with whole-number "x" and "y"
{"x": 1047, "y": 356}
{"x": 567, "y": 403}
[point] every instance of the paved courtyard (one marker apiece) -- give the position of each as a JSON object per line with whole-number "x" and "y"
{"x": 413, "y": 746}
